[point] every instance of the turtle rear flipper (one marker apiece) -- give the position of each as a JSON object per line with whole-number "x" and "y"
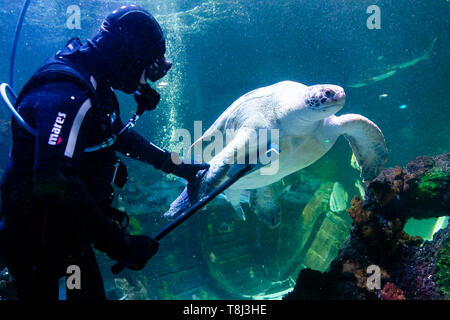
{"x": 263, "y": 202}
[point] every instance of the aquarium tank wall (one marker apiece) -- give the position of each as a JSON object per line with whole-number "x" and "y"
{"x": 390, "y": 57}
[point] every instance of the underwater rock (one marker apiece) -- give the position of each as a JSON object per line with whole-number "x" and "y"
{"x": 407, "y": 269}
{"x": 412, "y": 269}
{"x": 443, "y": 269}
{"x": 418, "y": 272}
{"x": 421, "y": 190}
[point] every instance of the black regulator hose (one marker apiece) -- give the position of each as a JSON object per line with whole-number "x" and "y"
{"x": 16, "y": 39}
{"x": 7, "y": 90}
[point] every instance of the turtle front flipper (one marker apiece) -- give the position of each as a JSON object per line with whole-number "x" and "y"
{"x": 206, "y": 182}
{"x": 367, "y": 142}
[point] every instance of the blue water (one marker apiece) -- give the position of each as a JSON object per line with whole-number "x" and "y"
{"x": 223, "y": 49}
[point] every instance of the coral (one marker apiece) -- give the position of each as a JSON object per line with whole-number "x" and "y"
{"x": 357, "y": 212}
{"x": 391, "y": 292}
{"x": 420, "y": 191}
{"x": 443, "y": 269}
{"x": 417, "y": 269}
{"x": 409, "y": 270}
{"x": 378, "y": 232}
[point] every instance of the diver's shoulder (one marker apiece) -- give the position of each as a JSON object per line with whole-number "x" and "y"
{"x": 49, "y": 95}
{"x": 59, "y": 88}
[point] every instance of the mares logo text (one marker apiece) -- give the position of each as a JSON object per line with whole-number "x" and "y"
{"x": 54, "y": 138}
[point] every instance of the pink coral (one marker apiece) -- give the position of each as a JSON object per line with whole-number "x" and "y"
{"x": 391, "y": 292}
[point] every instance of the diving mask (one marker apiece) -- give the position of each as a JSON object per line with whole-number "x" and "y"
{"x": 158, "y": 69}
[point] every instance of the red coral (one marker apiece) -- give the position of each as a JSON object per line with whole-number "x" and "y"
{"x": 357, "y": 212}
{"x": 391, "y": 292}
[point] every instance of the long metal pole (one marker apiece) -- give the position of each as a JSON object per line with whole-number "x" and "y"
{"x": 119, "y": 266}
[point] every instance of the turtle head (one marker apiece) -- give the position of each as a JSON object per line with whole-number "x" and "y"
{"x": 323, "y": 100}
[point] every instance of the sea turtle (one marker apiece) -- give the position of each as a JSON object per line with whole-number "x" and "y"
{"x": 307, "y": 128}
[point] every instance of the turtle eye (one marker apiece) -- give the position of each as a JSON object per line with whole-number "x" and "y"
{"x": 329, "y": 93}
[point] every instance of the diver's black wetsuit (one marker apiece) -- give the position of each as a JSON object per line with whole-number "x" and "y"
{"x": 55, "y": 193}
{"x": 55, "y": 196}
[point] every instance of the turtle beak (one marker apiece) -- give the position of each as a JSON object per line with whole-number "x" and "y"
{"x": 339, "y": 96}
{"x": 335, "y": 96}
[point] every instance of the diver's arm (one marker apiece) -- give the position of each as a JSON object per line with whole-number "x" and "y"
{"x": 137, "y": 147}
{"x": 62, "y": 123}
{"x": 134, "y": 251}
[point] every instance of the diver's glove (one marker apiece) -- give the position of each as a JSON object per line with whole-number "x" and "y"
{"x": 139, "y": 249}
{"x": 179, "y": 168}
{"x": 146, "y": 98}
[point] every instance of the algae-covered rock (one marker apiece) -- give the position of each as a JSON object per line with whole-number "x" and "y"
{"x": 420, "y": 190}
{"x": 408, "y": 269}
{"x": 443, "y": 269}
{"x": 432, "y": 184}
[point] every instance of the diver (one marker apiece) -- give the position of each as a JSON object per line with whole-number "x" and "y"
{"x": 56, "y": 192}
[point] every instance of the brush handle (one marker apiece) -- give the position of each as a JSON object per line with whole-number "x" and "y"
{"x": 119, "y": 266}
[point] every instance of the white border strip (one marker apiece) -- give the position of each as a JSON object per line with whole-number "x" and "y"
{"x": 70, "y": 147}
